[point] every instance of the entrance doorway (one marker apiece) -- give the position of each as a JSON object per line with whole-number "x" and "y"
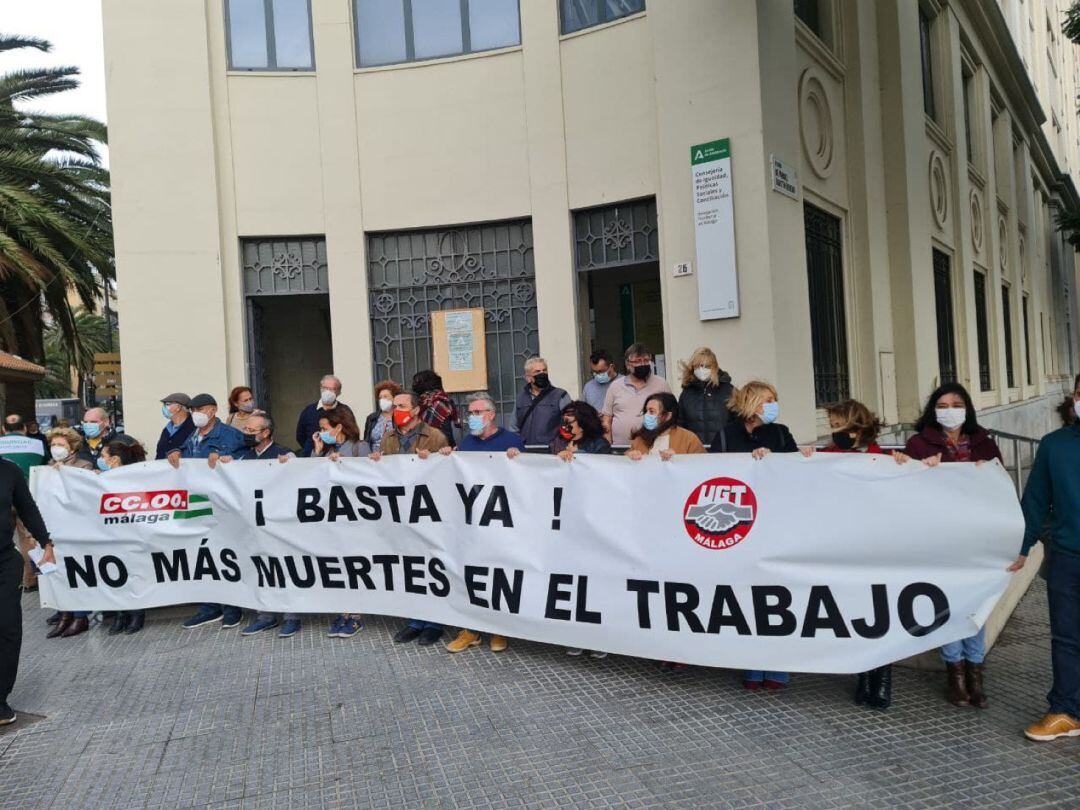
{"x": 289, "y": 344}
{"x": 616, "y": 257}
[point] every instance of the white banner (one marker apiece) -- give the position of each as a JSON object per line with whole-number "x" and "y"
{"x": 830, "y": 564}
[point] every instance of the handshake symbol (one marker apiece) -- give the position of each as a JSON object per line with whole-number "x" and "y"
{"x": 719, "y": 516}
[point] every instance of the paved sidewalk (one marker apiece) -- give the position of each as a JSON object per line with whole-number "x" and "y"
{"x": 205, "y": 718}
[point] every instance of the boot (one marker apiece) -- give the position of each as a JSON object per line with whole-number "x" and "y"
{"x": 957, "y": 684}
{"x": 976, "y": 695}
{"x": 61, "y": 626}
{"x": 862, "y": 689}
{"x": 881, "y": 687}
{"x": 119, "y": 623}
{"x": 79, "y": 625}
{"x": 138, "y": 618}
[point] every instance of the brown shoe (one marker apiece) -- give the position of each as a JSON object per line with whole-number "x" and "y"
{"x": 79, "y": 625}
{"x": 976, "y": 695}
{"x": 956, "y": 684}
{"x": 1053, "y": 726}
{"x": 498, "y": 643}
{"x": 65, "y": 622}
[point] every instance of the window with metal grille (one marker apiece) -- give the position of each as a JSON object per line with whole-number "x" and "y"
{"x": 982, "y": 332}
{"x": 1027, "y": 343}
{"x": 1006, "y": 322}
{"x": 828, "y": 323}
{"x": 576, "y": 15}
{"x": 269, "y": 35}
{"x": 927, "y": 63}
{"x": 946, "y": 325}
{"x": 393, "y": 31}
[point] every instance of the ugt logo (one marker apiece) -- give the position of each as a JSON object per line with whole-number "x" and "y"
{"x": 720, "y": 513}
{"x": 153, "y": 507}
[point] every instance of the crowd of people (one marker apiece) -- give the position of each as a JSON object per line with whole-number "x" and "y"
{"x": 634, "y": 411}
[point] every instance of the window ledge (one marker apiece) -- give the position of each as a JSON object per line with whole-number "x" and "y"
{"x": 306, "y": 72}
{"x": 938, "y": 136}
{"x": 638, "y": 16}
{"x": 975, "y": 176}
{"x": 821, "y": 52}
{"x": 442, "y": 60}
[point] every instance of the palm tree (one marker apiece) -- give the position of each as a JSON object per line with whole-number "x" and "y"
{"x": 55, "y": 215}
{"x": 61, "y": 363}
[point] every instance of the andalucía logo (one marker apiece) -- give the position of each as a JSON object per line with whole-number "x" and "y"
{"x": 153, "y": 507}
{"x": 720, "y": 513}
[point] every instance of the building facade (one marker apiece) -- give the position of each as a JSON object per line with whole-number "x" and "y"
{"x": 299, "y": 184}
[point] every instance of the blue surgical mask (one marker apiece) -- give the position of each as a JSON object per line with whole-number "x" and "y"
{"x": 602, "y": 377}
{"x": 328, "y": 437}
{"x": 91, "y": 430}
{"x": 651, "y": 421}
{"x": 770, "y": 413}
{"x": 476, "y": 423}
{"x": 165, "y": 412}
{"x": 102, "y": 464}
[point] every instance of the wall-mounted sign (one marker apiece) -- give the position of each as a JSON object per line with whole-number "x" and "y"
{"x": 785, "y": 179}
{"x": 714, "y": 230}
{"x": 458, "y": 349}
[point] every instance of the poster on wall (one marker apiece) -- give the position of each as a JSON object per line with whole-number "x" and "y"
{"x": 714, "y": 230}
{"x": 458, "y": 352}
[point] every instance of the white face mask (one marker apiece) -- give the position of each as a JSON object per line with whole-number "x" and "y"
{"x": 327, "y": 397}
{"x": 703, "y": 373}
{"x": 385, "y": 404}
{"x": 1076, "y": 407}
{"x": 59, "y": 452}
{"x": 950, "y": 418}
{"x": 200, "y": 419}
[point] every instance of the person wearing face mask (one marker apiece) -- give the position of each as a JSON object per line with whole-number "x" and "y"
{"x": 948, "y": 431}
{"x": 536, "y": 413}
{"x": 660, "y": 434}
{"x": 380, "y": 421}
{"x": 119, "y": 453}
{"x": 603, "y": 375}
{"x": 624, "y": 403}
{"x": 338, "y": 437}
{"x": 176, "y": 410}
{"x": 210, "y": 438}
{"x": 706, "y": 389}
{"x": 581, "y": 431}
{"x": 752, "y": 428}
{"x": 485, "y": 436}
{"x": 97, "y": 432}
{"x": 855, "y": 430}
{"x": 307, "y": 425}
{"x": 411, "y": 434}
{"x": 241, "y": 406}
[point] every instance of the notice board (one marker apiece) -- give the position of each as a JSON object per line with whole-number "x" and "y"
{"x": 458, "y": 349}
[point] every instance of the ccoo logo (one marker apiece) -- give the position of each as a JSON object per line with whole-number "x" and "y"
{"x": 720, "y": 513}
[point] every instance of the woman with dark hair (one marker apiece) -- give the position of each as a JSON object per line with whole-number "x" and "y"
{"x": 380, "y": 422}
{"x": 659, "y": 434}
{"x": 581, "y": 431}
{"x": 948, "y": 431}
{"x": 339, "y": 436}
{"x": 241, "y": 406}
{"x": 436, "y": 407}
{"x": 120, "y": 453}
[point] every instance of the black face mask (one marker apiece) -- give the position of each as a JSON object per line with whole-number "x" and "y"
{"x": 251, "y": 440}
{"x": 642, "y": 372}
{"x": 541, "y": 380}
{"x": 843, "y": 440}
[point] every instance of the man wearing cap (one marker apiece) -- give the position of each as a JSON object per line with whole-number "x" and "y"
{"x": 177, "y": 409}
{"x": 210, "y": 436}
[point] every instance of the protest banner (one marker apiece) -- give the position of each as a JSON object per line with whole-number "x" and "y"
{"x": 827, "y": 564}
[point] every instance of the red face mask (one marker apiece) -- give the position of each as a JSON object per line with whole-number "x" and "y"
{"x": 402, "y": 418}
{"x": 566, "y": 433}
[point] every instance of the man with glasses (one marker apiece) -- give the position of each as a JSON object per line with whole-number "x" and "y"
{"x": 625, "y": 400}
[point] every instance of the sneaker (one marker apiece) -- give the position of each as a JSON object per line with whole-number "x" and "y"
{"x": 407, "y": 633}
{"x": 7, "y": 714}
{"x": 1053, "y": 726}
{"x": 231, "y": 619}
{"x": 464, "y": 640}
{"x": 429, "y": 635}
{"x": 497, "y": 643}
{"x": 258, "y": 626}
{"x": 349, "y": 627}
{"x": 597, "y": 654}
{"x": 574, "y": 651}
{"x": 204, "y": 616}
{"x": 289, "y": 628}
{"x": 335, "y": 627}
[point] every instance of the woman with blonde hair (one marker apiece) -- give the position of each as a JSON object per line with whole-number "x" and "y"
{"x": 706, "y": 390}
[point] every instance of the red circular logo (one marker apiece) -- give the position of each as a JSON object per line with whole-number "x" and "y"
{"x": 720, "y": 513}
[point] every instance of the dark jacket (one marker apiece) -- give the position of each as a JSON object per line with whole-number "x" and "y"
{"x": 1053, "y": 489}
{"x": 271, "y": 452}
{"x": 15, "y": 495}
{"x": 543, "y": 421}
{"x": 734, "y": 438}
{"x": 598, "y": 445}
{"x": 167, "y": 443}
{"x": 308, "y": 423}
{"x": 931, "y": 441}
{"x": 91, "y": 454}
{"x": 703, "y": 407}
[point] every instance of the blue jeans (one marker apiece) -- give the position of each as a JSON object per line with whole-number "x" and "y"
{"x": 1063, "y": 588}
{"x": 212, "y": 607}
{"x": 81, "y": 614}
{"x": 420, "y": 624}
{"x": 758, "y": 675}
{"x": 971, "y": 649}
{"x": 288, "y": 617}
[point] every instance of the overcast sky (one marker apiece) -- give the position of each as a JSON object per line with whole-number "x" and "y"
{"x": 74, "y": 29}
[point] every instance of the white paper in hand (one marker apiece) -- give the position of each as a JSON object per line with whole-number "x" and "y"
{"x": 37, "y": 554}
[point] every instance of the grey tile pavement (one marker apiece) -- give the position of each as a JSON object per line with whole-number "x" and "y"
{"x": 207, "y": 719}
